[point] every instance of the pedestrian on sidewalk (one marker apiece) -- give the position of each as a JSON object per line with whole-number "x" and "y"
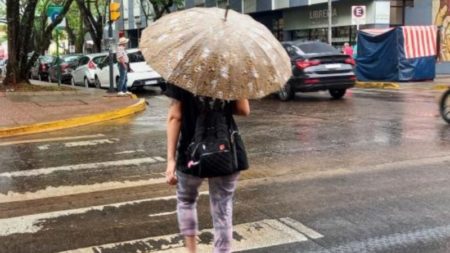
{"x": 347, "y": 49}
{"x": 123, "y": 64}
{"x": 181, "y": 123}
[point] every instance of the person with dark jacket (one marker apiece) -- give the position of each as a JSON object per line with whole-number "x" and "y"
{"x": 180, "y": 131}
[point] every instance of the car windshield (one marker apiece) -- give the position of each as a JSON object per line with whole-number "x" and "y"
{"x": 316, "y": 48}
{"x": 70, "y": 58}
{"x": 99, "y": 59}
{"x": 136, "y": 57}
{"x": 46, "y": 59}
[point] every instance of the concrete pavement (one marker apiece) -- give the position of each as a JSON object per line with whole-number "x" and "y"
{"x": 34, "y": 112}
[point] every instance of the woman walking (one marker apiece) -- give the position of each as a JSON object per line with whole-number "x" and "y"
{"x": 181, "y": 123}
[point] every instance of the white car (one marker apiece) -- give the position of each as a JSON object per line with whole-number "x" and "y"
{"x": 86, "y": 72}
{"x": 3, "y": 66}
{"x": 139, "y": 75}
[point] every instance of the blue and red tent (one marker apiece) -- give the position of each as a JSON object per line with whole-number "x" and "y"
{"x": 406, "y": 53}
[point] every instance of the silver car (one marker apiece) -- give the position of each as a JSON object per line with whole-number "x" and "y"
{"x": 87, "y": 70}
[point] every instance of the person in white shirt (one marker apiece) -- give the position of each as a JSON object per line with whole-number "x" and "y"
{"x": 122, "y": 61}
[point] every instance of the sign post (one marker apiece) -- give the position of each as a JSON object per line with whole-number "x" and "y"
{"x": 53, "y": 12}
{"x": 358, "y": 15}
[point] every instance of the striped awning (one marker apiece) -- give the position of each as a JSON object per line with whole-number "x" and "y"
{"x": 420, "y": 41}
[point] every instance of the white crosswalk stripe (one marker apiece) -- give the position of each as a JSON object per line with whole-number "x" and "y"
{"x": 51, "y": 139}
{"x": 31, "y": 223}
{"x": 98, "y": 165}
{"x": 253, "y": 235}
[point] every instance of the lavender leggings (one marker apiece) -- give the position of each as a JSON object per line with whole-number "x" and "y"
{"x": 221, "y": 190}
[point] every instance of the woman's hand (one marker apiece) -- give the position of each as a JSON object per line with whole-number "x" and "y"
{"x": 171, "y": 176}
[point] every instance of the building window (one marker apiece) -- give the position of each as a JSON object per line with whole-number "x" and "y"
{"x": 398, "y": 11}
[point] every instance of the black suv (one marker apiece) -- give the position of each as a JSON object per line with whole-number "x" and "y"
{"x": 317, "y": 66}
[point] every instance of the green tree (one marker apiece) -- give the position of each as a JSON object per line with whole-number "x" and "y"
{"x": 94, "y": 13}
{"x": 22, "y": 31}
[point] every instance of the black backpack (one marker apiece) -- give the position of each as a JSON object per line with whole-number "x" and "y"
{"x": 216, "y": 148}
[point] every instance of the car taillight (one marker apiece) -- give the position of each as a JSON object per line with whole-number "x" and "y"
{"x": 43, "y": 67}
{"x": 311, "y": 81}
{"x": 303, "y": 64}
{"x": 353, "y": 78}
{"x": 91, "y": 65}
{"x": 350, "y": 60}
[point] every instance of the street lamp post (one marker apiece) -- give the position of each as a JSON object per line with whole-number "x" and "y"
{"x": 110, "y": 50}
{"x": 330, "y": 22}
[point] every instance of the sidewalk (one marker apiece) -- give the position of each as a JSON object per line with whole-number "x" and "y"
{"x": 34, "y": 112}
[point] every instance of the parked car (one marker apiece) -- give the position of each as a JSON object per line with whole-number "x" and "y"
{"x": 86, "y": 72}
{"x": 140, "y": 73}
{"x": 68, "y": 64}
{"x": 317, "y": 66}
{"x": 40, "y": 68}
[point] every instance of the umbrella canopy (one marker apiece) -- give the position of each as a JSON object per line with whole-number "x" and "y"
{"x": 198, "y": 50}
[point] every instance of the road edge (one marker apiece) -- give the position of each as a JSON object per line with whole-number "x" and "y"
{"x": 73, "y": 122}
{"x": 377, "y": 85}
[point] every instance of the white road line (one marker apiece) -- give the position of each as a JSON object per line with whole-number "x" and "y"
{"x": 129, "y": 152}
{"x": 34, "y": 223}
{"x": 249, "y": 236}
{"x": 45, "y": 171}
{"x": 160, "y": 159}
{"x": 44, "y": 147}
{"x": 51, "y": 139}
{"x": 162, "y": 214}
{"x": 90, "y": 143}
{"x": 60, "y": 191}
{"x": 301, "y": 228}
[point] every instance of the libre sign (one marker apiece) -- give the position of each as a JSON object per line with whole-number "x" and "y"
{"x": 358, "y": 14}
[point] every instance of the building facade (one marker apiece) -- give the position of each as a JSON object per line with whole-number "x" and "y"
{"x": 308, "y": 19}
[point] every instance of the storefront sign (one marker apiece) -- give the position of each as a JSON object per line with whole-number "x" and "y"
{"x": 321, "y": 14}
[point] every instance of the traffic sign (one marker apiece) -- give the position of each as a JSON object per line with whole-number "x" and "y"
{"x": 358, "y": 15}
{"x": 53, "y": 10}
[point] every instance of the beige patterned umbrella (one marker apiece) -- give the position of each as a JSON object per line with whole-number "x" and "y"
{"x": 200, "y": 51}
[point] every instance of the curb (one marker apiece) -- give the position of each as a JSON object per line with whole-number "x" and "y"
{"x": 441, "y": 87}
{"x": 73, "y": 122}
{"x": 377, "y": 85}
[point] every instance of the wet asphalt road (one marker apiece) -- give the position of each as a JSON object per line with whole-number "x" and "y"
{"x": 369, "y": 173}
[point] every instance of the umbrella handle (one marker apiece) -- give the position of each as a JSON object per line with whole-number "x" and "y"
{"x": 226, "y": 11}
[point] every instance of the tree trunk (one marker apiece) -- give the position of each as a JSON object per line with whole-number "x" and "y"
{"x": 27, "y": 26}
{"x": 79, "y": 43}
{"x": 20, "y": 33}
{"x": 13, "y": 19}
{"x": 94, "y": 25}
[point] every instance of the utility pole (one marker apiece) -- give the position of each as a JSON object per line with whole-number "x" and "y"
{"x": 330, "y": 22}
{"x": 110, "y": 51}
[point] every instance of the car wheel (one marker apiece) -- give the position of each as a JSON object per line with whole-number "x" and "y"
{"x": 337, "y": 93}
{"x": 163, "y": 87}
{"x": 286, "y": 93}
{"x": 444, "y": 106}
{"x": 98, "y": 85}
{"x": 86, "y": 83}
